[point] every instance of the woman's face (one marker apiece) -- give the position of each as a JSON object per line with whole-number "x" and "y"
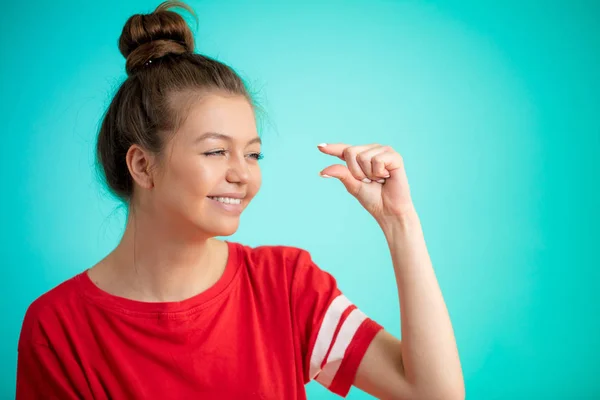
{"x": 209, "y": 170}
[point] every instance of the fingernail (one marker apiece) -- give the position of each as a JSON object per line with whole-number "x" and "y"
{"x": 322, "y": 145}
{"x": 366, "y": 180}
{"x": 324, "y": 175}
{"x": 381, "y": 181}
{"x": 387, "y": 176}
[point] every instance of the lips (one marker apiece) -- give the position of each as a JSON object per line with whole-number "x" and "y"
{"x": 227, "y": 205}
{"x": 226, "y": 200}
{"x": 229, "y": 195}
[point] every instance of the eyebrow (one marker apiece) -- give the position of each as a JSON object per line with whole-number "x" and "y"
{"x": 221, "y": 136}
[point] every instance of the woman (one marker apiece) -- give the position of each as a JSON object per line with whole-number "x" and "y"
{"x": 173, "y": 313}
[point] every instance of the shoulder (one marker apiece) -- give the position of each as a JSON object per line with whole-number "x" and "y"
{"x": 48, "y": 310}
{"x": 277, "y": 256}
{"x": 282, "y": 261}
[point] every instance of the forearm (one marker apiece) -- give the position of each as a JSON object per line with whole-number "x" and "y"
{"x": 429, "y": 352}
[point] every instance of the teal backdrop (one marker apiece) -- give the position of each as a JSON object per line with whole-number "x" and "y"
{"x": 495, "y": 107}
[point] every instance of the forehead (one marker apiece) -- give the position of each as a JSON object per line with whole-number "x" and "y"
{"x": 231, "y": 115}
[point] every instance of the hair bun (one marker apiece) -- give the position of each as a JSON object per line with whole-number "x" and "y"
{"x": 149, "y": 36}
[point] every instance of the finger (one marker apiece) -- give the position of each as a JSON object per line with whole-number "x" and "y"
{"x": 352, "y": 161}
{"x": 385, "y": 162}
{"x": 335, "y": 149}
{"x": 373, "y": 171}
{"x": 348, "y": 153}
{"x": 342, "y": 173}
{"x": 381, "y": 161}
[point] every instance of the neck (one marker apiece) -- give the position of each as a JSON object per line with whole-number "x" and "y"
{"x": 156, "y": 262}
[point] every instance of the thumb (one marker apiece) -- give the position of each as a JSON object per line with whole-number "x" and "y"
{"x": 342, "y": 173}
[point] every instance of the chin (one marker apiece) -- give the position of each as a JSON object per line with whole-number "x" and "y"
{"x": 220, "y": 228}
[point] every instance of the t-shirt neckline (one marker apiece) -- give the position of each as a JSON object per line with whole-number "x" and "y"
{"x": 184, "y": 307}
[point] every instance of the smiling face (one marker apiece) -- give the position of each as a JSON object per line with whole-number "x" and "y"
{"x": 209, "y": 170}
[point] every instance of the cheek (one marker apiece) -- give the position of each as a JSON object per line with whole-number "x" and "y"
{"x": 189, "y": 178}
{"x": 256, "y": 181}
{"x": 198, "y": 180}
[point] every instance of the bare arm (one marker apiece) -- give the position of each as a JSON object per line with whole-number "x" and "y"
{"x": 425, "y": 365}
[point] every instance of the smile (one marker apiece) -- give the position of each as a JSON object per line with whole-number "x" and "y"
{"x": 226, "y": 200}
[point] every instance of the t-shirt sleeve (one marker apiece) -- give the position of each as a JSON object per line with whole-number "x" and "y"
{"x": 334, "y": 333}
{"x": 41, "y": 374}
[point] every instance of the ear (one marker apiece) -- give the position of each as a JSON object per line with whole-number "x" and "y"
{"x": 139, "y": 163}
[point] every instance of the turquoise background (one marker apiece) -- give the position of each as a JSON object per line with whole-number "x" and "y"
{"x": 495, "y": 108}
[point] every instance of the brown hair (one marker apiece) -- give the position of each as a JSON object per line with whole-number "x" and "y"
{"x": 162, "y": 70}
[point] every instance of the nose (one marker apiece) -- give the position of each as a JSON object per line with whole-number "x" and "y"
{"x": 238, "y": 171}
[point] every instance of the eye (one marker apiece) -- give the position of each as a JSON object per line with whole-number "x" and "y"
{"x": 256, "y": 156}
{"x": 215, "y": 153}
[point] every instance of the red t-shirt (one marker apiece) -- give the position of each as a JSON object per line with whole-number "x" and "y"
{"x": 272, "y": 322}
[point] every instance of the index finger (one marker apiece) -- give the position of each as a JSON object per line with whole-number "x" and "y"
{"x": 334, "y": 149}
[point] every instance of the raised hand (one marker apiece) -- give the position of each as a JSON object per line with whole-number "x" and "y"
{"x": 375, "y": 175}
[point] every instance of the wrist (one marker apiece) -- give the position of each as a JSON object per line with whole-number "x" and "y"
{"x": 401, "y": 223}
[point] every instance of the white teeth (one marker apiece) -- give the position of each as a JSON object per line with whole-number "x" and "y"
{"x": 227, "y": 200}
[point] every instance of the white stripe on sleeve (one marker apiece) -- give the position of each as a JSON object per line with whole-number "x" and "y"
{"x": 344, "y": 338}
{"x": 325, "y": 336}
